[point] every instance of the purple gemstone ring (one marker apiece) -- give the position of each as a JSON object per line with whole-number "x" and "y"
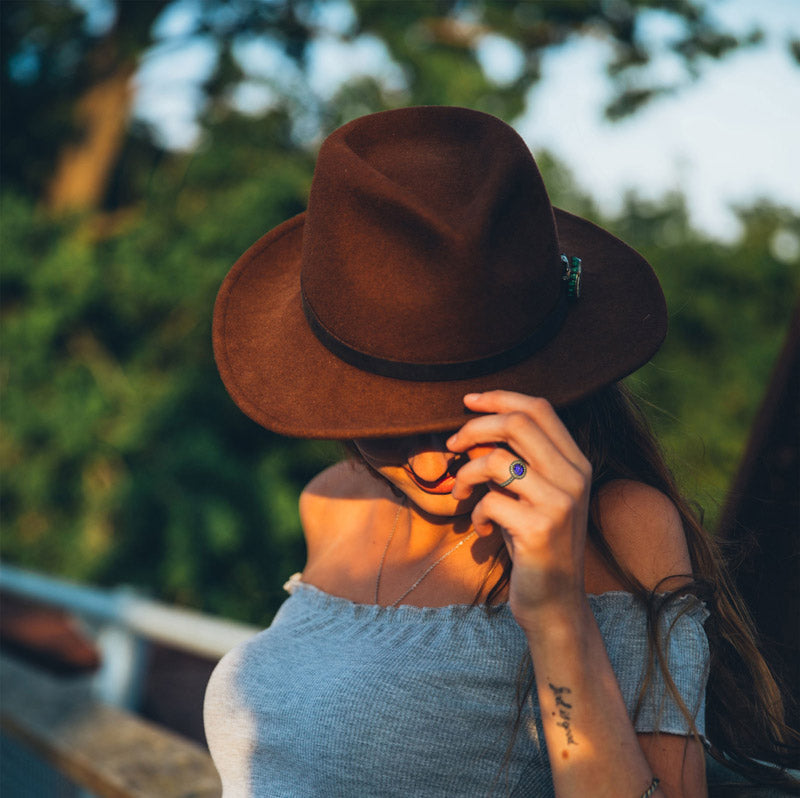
{"x": 517, "y": 469}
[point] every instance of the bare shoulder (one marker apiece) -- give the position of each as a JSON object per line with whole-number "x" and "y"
{"x": 338, "y": 500}
{"x": 645, "y": 532}
{"x": 347, "y": 479}
{"x": 337, "y": 480}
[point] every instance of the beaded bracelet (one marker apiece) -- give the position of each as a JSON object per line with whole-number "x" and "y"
{"x": 651, "y": 789}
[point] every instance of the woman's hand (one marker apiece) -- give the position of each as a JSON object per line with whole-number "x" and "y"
{"x": 543, "y": 516}
{"x": 591, "y": 742}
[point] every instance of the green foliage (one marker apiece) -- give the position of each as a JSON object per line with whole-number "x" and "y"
{"x": 53, "y": 52}
{"x": 729, "y": 310}
{"x": 730, "y": 307}
{"x": 124, "y": 459}
{"x": 49, "y": 57}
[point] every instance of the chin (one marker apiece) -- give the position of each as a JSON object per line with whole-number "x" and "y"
{"x": 443, "y": 505}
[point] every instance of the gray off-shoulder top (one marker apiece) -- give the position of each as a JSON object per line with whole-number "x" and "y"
{"x": 344, "y": 700}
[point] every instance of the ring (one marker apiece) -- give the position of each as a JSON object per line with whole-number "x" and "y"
{"x": 517, "y": 469}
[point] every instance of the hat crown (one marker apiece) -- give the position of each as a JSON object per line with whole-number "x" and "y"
{"x": 429, "y": 237}
{"x": 427, "y": 266}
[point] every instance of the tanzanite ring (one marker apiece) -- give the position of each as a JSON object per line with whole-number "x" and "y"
{"x": 517, "y": 469}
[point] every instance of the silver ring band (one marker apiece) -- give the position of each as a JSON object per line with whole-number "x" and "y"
{"x": 517, "y": 469}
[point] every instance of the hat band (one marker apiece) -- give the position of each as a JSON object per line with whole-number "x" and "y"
{"x": 441, "y": 372}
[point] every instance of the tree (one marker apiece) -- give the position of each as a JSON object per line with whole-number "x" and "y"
{"x": 125, "y": 461}
{"x": 67, "y": 92}
{"x": 66, "y": 77}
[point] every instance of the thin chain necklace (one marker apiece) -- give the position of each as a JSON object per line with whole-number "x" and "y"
{"x": 424, "y": 573}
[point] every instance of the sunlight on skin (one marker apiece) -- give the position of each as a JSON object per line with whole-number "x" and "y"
{"x": 422, "y": 468}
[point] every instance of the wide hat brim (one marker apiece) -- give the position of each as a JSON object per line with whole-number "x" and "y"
{"x": 282, "y": 377}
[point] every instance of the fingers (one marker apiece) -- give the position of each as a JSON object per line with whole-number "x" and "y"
{"x": 530, "y": 442}
{"x": 532, "y": 493}
{"x": 522, "y": 434}
{"x": 523, "y": 414}
{"x": 537, "y": 530}
{"x": 495, "y": 508}
{"x": 495, "y": 467}
{"x": 511, "y": 516}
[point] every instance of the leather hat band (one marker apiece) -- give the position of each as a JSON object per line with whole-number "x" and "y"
{"x": 441, "y": 372}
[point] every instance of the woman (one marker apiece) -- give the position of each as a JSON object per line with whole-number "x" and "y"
{"x": 433, "y": 309}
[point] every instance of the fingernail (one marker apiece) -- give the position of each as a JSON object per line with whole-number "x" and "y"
{"x": 451, "y": 440}
{"x": 471, "y": 397}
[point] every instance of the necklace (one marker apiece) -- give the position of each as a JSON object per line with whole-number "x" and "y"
{"x": 424, "y": 573}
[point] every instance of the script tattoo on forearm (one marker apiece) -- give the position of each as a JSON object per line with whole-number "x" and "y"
{"x": 563, "y": 711}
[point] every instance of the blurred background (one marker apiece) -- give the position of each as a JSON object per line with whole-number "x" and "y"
{"x": 146, "y": 144}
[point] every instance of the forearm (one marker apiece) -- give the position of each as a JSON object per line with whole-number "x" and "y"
{"x": 592, "y": 745}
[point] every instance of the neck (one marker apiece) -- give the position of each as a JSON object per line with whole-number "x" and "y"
{"x": 420, "y": 543}
{"x": 420, "y": 538}
{"x": 418, "y": 533}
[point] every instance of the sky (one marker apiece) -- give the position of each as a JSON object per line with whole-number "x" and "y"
{"x": 724, "y": 139}
{"x": 732, "y": 135}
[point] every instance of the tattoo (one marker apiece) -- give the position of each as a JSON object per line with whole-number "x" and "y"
{"x": 563, "y": 711}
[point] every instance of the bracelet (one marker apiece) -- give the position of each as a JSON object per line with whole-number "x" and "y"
{"x": 651, "y": 789}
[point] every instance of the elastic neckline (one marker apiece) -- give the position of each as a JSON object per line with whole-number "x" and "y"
{"x": 411, "y": 612}
{"x": 401, "y": 611}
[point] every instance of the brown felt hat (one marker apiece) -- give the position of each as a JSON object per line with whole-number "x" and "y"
{"x": 427, "y": 265}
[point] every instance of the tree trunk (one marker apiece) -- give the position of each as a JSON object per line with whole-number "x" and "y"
{"x": 84, "y": 166}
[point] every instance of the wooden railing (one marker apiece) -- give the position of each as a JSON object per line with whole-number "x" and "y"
{"x": 108, "y": 751}
{"x": 78, "y": 717}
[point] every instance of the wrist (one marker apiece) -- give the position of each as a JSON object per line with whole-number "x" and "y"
{"x": 558, "y": 623}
